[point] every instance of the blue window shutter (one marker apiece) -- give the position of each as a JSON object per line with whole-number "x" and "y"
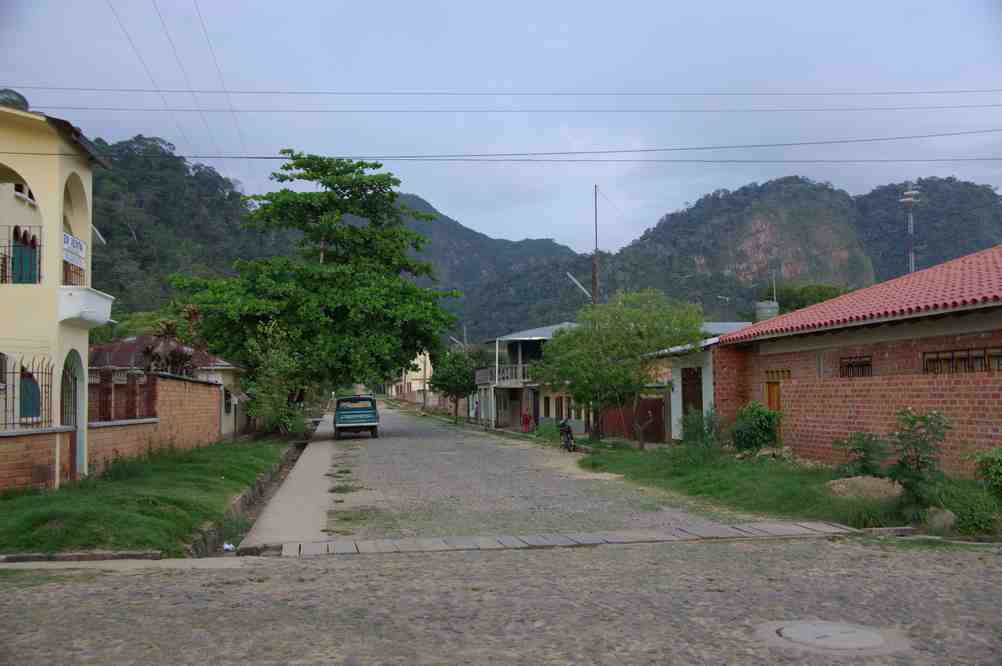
{"x": 31, "y": 398}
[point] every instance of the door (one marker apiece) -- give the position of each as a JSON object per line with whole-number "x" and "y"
{"x": 692, "y": 389}
{"x": 68, "y": 417}
{"x": 773, "y": 398}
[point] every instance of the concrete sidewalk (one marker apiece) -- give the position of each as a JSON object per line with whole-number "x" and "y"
{"x": 298, "y": 511}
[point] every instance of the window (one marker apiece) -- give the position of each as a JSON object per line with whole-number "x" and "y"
{"x": 546, "y": 407}
{"x": 25, "y": 257}
{"x": 22, "y": 191}
{"x": 559, "y": 409}
{"x": 777, "y": 375}
{"x": 962, "y": 360}
{"x": 227, "y": 400}
{"x": 31, "y": 397}
{"x": 855, "y": 366}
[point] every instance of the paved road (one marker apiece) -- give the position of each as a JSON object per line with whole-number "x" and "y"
{"x": 424, "y": 478}
{"x": 692, "y": 603}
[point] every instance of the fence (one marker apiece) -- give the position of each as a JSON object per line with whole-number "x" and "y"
{"x": 25, "y": 393}
{"x": 20, "y": 255}
{"x": 121, "y": 395}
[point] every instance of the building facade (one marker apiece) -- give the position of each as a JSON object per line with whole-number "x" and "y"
{"x": 49, "y": 305}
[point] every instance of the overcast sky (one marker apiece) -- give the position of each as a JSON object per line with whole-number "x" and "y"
{"x": 624, "y": 47}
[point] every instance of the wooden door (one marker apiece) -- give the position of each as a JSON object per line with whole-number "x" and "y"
{"x": 773, "y": 399}
{"x": 692, "y": 390}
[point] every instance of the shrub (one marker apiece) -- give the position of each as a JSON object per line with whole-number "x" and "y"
{"x": 755, "y": 427}
{"x": 989, "y": 466}
{"x": 867, "y": 454}
{"x": 701, "y": 430}
{"x": 548, "y": 431}
{"x": 976, "y": 509}
{"x": 918, "y": 442}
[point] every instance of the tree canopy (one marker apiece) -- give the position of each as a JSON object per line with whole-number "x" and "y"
{"x": 454, "y": 376}
{"x": 345, "y": 302}
{"x": 607, "y": 360}
{"x": 792, "y": 296}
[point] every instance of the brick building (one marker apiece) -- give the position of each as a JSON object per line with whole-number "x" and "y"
{"x": 926, "y": 340}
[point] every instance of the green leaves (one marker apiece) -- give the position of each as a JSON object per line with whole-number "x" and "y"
{"x": 607, "y": 359}
{"x": 345, "y": 304}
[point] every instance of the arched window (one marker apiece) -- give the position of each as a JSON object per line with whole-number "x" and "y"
{"x": 25, "y": 252}
{"x": 31, "y": 397}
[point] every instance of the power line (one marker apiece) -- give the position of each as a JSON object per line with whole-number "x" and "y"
{"x": 620, "y": 151}
{"x": 570, "y": 110}
{"x": 525, "y": 93}
{"x": 504, "y": 160}
{"x": 142, "y": 61}
{"x": 184, "y": 72}
{"x": 222, "y": 82}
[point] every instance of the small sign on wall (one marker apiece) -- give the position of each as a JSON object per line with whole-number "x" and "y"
{"x": 74, "y": 251}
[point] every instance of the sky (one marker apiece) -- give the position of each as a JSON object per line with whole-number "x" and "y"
{"x": 574, "y": 48}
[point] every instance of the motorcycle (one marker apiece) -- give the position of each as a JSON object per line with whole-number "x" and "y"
{"x": 567, "y": 436}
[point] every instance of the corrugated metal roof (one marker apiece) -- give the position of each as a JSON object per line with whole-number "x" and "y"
{"x": 969, "y": 281}
{"x": 541, "y": 333}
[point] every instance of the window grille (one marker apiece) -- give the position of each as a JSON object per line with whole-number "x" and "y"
{"x": 962, "y": 360}
{"x": 20, "y": 255}
{"x": 855, "y": 366}
{"x": 777, "y": 375}
{"x": 25, "y": 393}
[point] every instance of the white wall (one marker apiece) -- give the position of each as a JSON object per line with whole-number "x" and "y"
{"x": 702, "y": 360}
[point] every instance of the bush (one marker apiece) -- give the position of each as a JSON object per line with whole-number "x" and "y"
{"x": 989, "y": 466}
{"x": 976, "y": 509}
{"x": 918, "y": 442}
{"x": 867, "y": 454}
{"x": 548, "y": 431}
{"x": 755, "y": 427}
{"x": 701, "y": 430}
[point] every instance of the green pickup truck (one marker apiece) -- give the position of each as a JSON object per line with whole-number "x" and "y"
{"x": 356, "y": 413}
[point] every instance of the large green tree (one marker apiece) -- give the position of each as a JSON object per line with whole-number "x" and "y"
{"x": 454, "y": 376}
{"x": 607, "y": 360}
{"x": 348, "y": 299}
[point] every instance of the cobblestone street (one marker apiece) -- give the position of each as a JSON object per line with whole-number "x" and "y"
{"x": 681, "y": 602}
{"x": 678, "y": 603}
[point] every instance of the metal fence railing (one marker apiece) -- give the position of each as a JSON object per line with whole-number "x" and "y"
{"x": 25, "y": 392}
{"x": 20, "y": 254}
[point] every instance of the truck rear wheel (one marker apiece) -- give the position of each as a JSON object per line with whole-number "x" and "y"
{"x": 337, "y": 435}
{"x": 374, "y": 432}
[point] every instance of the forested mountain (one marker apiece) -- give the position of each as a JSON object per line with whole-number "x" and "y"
{"x": 162, "y": 215}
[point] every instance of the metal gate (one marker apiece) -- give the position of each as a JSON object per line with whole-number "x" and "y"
{"x": 68, "y": 417}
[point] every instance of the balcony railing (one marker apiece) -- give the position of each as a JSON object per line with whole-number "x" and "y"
{"x": 20, "y": 255}
{"x": 506, "y": 375}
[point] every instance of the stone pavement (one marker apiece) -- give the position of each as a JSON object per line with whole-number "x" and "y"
{"x": 299, "y": 508}
{"x": 688, "y": 602}
{"x": 762, "y": 530}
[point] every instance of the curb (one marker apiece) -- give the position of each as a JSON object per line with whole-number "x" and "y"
{"x": 207, "y": 539}
{"x": 83, "y": 556}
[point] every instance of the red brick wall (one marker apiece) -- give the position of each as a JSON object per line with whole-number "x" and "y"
{"x": 819, "y": 407}
{"x": 29, "y": 460}
{"x": 613, "y": 420}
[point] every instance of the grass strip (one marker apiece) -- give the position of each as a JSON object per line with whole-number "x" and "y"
{"x": 152, "y": 502}
{"x": 761, "y": 486}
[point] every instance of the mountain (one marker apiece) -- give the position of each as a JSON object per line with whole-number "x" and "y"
{"x": 952, "y": 218}
{"x": 162, "y": 215}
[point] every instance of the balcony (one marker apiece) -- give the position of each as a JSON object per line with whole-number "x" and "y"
{"x": 509, "y": 376}
{"x": 84, "y": 306}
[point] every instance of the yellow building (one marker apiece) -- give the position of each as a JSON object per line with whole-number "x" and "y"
{"x": 414, "y": 382}
{"x": 47, "y": 304}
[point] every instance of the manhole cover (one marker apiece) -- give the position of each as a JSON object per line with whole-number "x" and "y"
{"x": 831, "y": 637}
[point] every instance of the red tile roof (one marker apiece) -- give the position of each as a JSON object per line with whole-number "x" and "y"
{"x": 129, "y": 353}
{"x": 973, "y": 280}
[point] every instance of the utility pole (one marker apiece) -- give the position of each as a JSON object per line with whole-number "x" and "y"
{"x": 594, "y": 257}
{"x": 909, "y": 199}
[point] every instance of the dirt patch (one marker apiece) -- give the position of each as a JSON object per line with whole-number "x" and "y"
{"x": 567, "y": 465}
{"x": 866, "y": 487}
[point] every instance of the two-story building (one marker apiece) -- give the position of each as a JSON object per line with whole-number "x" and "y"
{"x": 48, "y": 303}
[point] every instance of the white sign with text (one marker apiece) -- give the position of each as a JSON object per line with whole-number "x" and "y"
{"x": 74, "y": 251}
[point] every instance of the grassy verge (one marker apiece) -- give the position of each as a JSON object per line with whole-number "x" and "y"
{"x": 154, "y": 502}
{"x": 762, "y": 486}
